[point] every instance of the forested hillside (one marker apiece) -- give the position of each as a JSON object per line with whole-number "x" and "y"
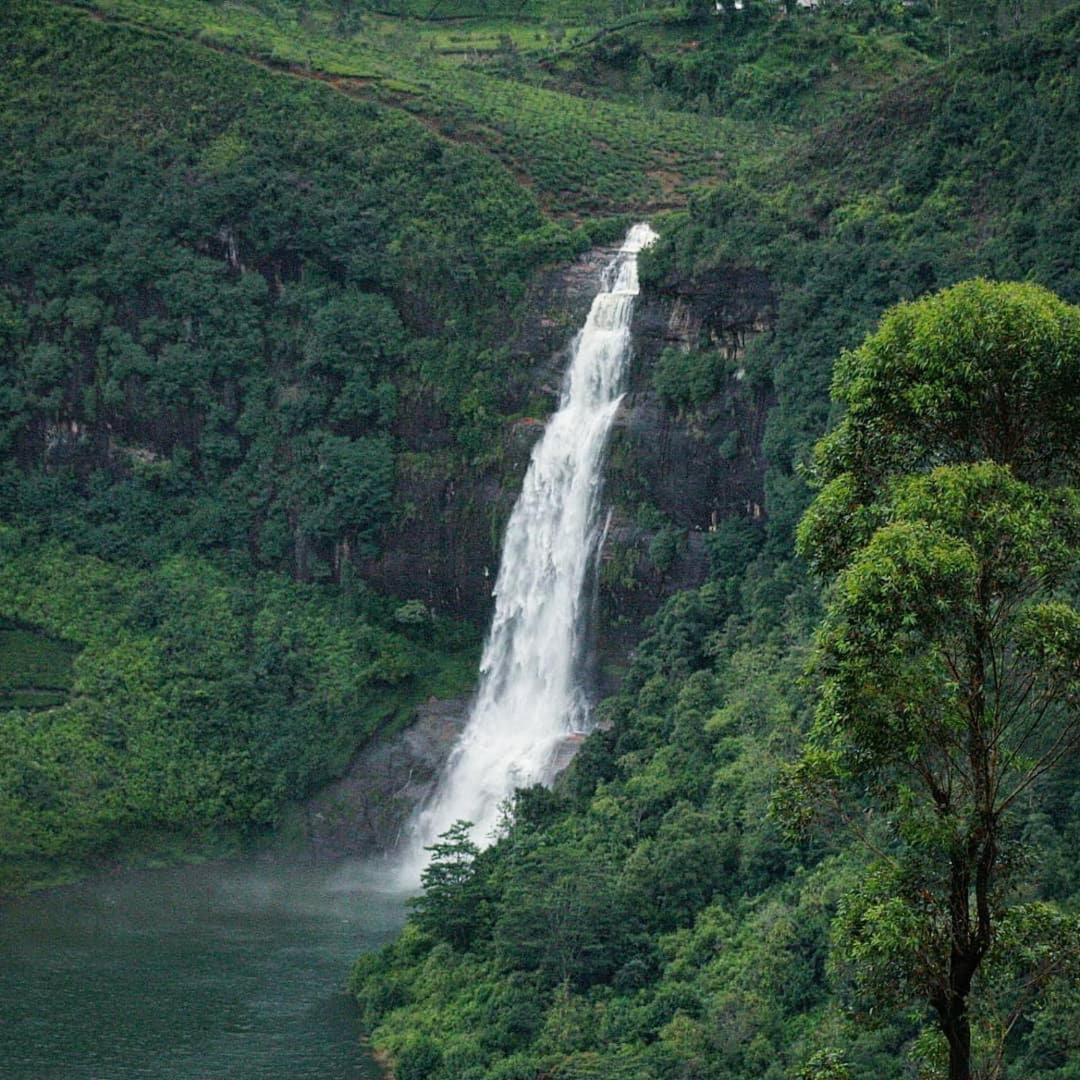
{"x": 656, "y": 916}
{"x": 215, "y": 282}
{"x": 264, "y": 274}
{"x": 969, "y": 169}
{"x": 220, "y": 291}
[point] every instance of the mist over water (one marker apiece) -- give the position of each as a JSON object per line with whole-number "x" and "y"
{"x": 529, "y": 697}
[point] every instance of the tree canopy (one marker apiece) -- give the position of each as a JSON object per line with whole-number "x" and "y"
{"x": 949, "y": 655}
{"x": 981, "y": 371}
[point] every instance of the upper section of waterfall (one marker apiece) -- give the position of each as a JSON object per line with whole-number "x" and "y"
{"x": 529, "y": 698}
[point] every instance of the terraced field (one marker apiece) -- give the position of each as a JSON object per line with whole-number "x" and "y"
{"x": 35, "y": 669}
{"x": 581, "y": 156}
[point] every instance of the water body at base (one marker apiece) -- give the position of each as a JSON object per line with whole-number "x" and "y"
{"x": 529, "y": 697}
{"x": 229, "y": 970}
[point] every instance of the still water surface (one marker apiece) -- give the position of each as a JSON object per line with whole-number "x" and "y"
{"x": 217, "y": 971}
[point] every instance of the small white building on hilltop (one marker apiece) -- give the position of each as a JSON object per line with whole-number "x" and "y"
{"x": 806, "y": 4}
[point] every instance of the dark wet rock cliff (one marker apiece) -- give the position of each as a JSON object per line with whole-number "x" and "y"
{"x": 676, "y": 472}
{"x": 674, "y": 475}
{"x": 365, "y": 810}
{"x": 672, "y": 470}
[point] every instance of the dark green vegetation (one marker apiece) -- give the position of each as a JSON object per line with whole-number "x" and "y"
{"x": 202, "y": 292}
{"x": 655, "y": 917}
{"x": 200, "y": 700}
{"x": 35, "y": 669}
{"x": 669, "y": 911}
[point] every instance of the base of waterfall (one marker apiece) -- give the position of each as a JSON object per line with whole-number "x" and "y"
{"x": 366, "y": 811}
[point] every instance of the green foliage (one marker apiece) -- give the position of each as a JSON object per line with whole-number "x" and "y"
{"x": 688, "y": 378}
{"x": 448, "y": 907}
{"x": 198, "y": 698}
{"x": 752, "y": 64}
{"x": 826, "y": 1065}
{"x": 732, "y": 546}
{"x": 564, "y": 918}
{"x": 978, "y": 371}
{"x": 939, "y": 709}
{"x": 665, "y": 546}
{"x": 218, "y": 287}
{"x": 35, "y": 669}
{"x": 418, "y": 1060}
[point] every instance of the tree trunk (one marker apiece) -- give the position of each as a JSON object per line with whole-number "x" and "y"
{"x": 976, "y": 856}
{"x": 952, "y": 1005}
{"x": 957, "y": 1031}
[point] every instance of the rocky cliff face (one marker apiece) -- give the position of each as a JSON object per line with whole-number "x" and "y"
{"x": 703, "y": 464}
{"x": 671, "y": 470}
{"x": 674, "y": 474}
{"x": 364, "y": 812}
{"x": 447, "y": 551}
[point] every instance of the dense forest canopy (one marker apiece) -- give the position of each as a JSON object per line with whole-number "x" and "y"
{"x": 216, "y": 287}
{"x": 671, "y": 909}
{"x": 652, "y": 917}
{"x": 260, "y": 266}
{"x": 217, "y": 292}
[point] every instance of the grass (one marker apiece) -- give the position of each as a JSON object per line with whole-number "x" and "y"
{"x": 588, "y": 138}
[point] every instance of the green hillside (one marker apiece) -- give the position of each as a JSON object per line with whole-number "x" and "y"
{"x": 219, "y": 288}
{"x": 204, "y": 357}
{"x": 967, "y": 170}
{"x": 201, "y": 701}
{"x": 265, "y": 271}
{"x": 652, "y": 917}
{"x": 579, "y": 156}
{"x": 601, "y": 109}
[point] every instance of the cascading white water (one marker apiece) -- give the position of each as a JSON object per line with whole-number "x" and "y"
{"x": 529, "y": 698}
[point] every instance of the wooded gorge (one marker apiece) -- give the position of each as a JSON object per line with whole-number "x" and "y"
{"x": 283, "y": 289}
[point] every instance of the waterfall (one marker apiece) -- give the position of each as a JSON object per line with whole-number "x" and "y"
{"x": 529, "y": 697}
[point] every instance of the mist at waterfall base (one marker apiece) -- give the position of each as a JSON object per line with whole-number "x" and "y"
{"x": 530, "y": 697}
